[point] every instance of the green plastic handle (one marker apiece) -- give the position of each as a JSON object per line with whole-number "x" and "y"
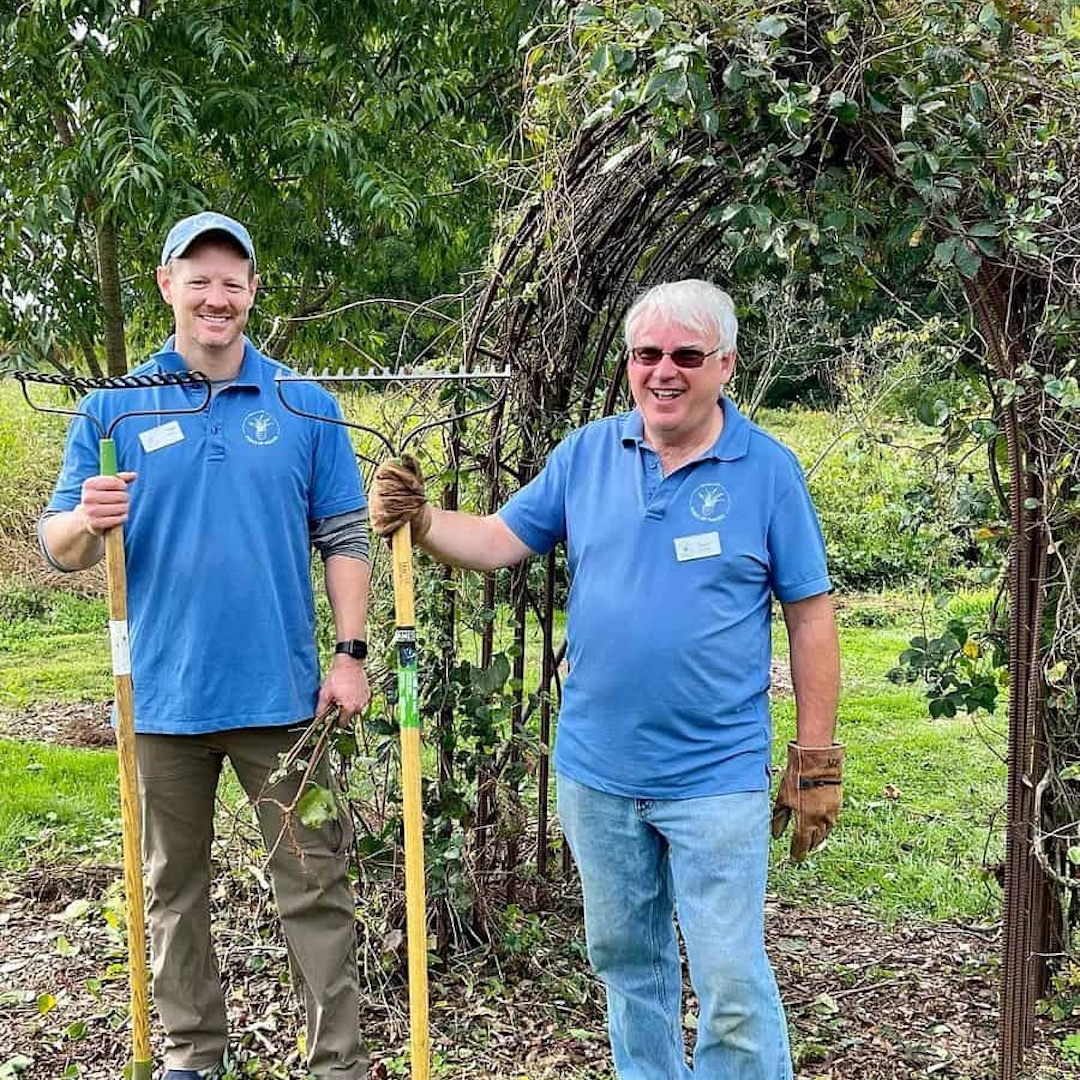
{"x": 107, "y": 457}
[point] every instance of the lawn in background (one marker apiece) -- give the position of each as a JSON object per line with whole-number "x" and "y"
{"x": 922, "y": 797}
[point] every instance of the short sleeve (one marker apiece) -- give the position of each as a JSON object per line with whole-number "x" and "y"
{"x": 536, "y": 515}
{"x": 796, "y": 544}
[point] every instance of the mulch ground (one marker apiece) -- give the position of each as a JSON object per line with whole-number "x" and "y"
{"x": 865, "y": 1002}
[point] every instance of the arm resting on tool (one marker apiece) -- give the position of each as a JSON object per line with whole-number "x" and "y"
{"x": 475, "y": 542}
{"x": 72, "y": 539}
{"x": 472, "y": 541}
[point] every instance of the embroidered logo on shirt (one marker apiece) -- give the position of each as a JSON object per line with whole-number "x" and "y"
{"x": 261, "y": 429}
{"x": 710, "y": 502}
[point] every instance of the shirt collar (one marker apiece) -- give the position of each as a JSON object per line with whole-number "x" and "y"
{"x": 168, "y": 359}
{"x": 732, "y": 443}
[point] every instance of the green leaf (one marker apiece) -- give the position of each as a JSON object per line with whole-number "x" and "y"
{"x": 772, "y": 26}
{"x": 76, "y": 910}
{"x": 908, "y": 115}
{"x": 588, "y": 14}
{"x": 967, "y": 261}
{"x": 45, "y": 1004}
{"x": 676, "y": 88}
{"x": 65, "y": 948}
{"x": 989, "y": 21}
{"x": 316, "y": 807}
{"x": 945, "y": 252}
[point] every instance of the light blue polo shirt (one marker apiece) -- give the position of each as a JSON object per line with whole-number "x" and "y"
{"x": 220, "y": 608}
{"x": 668, "y": 620}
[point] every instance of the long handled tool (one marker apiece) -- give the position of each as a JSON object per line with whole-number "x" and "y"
{"x": 116, "y": 579}
{"x": 407, "y": 705}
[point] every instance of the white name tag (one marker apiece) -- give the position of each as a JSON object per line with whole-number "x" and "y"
{"x": 164, "y": 435}
{"x": 699, "y": 546}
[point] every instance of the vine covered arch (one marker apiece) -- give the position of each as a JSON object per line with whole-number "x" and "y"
{"x": 804, "y": 148}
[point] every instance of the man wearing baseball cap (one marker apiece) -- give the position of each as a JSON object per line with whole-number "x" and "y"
{"x": 220, "y": 510}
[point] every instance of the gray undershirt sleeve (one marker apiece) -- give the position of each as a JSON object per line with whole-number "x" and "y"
{"x": 342, "y": 534}
{"x": 46, "y": 554}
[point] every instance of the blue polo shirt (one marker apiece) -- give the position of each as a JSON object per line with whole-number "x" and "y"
{"x": 668, "y": 620}
{"x": 220, "y": 608}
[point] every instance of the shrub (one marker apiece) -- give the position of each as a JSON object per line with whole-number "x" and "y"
{"x": 866, "y": 487}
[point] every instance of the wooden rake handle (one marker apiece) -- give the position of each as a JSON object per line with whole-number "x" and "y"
{"x": 412, "y": 806}
{"x": 134, "y": 899}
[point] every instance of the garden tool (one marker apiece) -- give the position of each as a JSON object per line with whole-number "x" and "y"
{"x": 116, "y": 578}
{"x": 407, "y": 707}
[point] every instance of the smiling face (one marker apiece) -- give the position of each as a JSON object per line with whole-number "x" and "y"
{"x": 680, "y": 406}
{"x": 211, "y": 289}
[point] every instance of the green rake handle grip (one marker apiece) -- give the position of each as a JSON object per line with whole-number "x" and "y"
{"x": 409, "y": 723}
{"x": 135, "y": 903}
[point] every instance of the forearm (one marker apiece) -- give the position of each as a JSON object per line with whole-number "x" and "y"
{"x": 471, "y": 541}
{"x": 69, "y": 542}
{"x": 815, "y": 668}
{"x": 347, "y": 583}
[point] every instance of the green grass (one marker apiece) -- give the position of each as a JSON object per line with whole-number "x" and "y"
{"x": 59, "y": 804}
{"x": 54, "y": 646}
{"x": 30, "y": 449}
{"x": 922, "y": 796}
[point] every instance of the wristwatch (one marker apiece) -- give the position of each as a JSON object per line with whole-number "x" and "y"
{"x": 356, "y": 648}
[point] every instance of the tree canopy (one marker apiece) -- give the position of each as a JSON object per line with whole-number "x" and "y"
{"x": 356, "y": 138}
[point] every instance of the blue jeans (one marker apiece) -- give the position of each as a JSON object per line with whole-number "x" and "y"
{"x": 640, "y": 860}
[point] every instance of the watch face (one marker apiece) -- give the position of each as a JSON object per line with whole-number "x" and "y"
{"x": 356, "y": 649}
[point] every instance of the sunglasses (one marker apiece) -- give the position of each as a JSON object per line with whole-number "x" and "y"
{"x": 681, "y": 358}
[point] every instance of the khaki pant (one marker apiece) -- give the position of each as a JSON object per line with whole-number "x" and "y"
{"x": 178, "y": 777}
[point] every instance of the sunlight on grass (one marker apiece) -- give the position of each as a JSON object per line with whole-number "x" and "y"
{"x": 59, "y": 803}
{"x": 922, "y": 798}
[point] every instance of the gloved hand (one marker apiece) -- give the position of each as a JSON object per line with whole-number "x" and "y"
{"x": 809, "y": 789}
{"x": 397, "y": 496}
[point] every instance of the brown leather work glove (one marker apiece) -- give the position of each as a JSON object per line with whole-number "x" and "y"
{"x": 809, "y": 789}
{"x": 397, "y": 496}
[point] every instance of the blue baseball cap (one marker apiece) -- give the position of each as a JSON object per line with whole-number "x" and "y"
{"x": 184, "y": 233}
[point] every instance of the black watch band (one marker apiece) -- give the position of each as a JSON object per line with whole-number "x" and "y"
{"x": 357, "y": 648}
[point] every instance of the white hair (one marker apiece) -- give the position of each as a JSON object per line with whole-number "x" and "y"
{"x": 692, "y": 303}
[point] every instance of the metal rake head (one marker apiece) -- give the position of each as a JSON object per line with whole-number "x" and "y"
{"x": 82, "y": 385}
{"x": 474, "y": 382}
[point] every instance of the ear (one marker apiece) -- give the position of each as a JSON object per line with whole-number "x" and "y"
{"x": 727, "y": 365}
{"x": 164, "y": 283}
